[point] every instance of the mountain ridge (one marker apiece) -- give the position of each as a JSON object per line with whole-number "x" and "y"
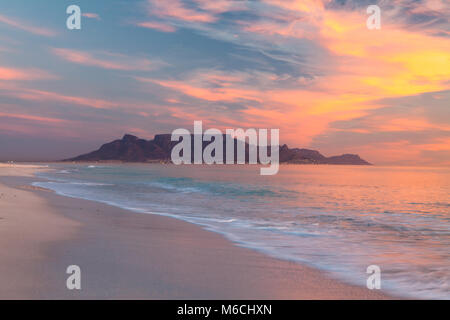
{"x": 133, "y": 149}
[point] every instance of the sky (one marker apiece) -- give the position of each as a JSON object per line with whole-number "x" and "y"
{"x": 311, "y": 68}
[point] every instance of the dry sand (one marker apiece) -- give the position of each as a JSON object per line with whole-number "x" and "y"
{"x": 27, "y": 227}
{"x": 128, "y": 255}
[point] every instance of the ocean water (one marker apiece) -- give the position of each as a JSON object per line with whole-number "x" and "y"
{"x": 336, "y": 218}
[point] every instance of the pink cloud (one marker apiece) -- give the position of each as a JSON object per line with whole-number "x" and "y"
{"x": 157, "y": 26}
{"x": 201, "y": 90}
{"x": 17, "y": 91}
{"x": 13, "y": 89}
{"x": 175, "y": 9}
{"x": 220, "y": 6}
{"x": 32, "y": 94}
{"x": 39, "y": 127}
{"x": 26, "y": 27}
{"x": 31, "y": 118}
{"x": 91, "y": 15}
{"x": 105, "y": 60}
{"x": 24, "y": 74}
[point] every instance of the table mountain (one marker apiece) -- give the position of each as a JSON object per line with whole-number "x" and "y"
{"x": 133, "y": 149}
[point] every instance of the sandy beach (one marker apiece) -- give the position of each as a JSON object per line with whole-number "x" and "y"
{"x": 127, "y": 255}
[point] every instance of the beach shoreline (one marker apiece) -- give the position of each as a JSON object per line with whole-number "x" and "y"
{"x": 128, "y": 255}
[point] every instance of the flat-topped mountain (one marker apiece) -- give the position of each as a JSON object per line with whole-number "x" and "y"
{"x": 133, "y": 149}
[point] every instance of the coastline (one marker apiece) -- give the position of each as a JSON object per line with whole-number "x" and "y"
{"x": 128, "y": 255}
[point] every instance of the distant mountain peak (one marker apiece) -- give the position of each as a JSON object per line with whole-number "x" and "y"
{"x": 133, "y": 149}
{"x": 129, "y": 137}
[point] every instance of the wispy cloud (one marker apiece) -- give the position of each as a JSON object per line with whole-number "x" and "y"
{"x": 106, "y": 60}
{"x": 176, "y": 9}
{"x": 18, "y": 24}
{"x": 7, "y": 73}
{"x": 91, "y": 15}
{"x": 42, "y": 95}
{"x": 310, "y": 67}
{"x": 157, "y": 26}
{"x": 210, "y": 86}
{"x": 32, "y": 118}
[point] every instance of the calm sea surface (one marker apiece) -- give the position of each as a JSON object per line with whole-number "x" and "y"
{"x": 337, "y": 218}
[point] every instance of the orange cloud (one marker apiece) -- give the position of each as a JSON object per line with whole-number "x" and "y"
{"x": 361, "y": 68}
{"x": 407, "y": 62}
{"x": 366, "y": 66}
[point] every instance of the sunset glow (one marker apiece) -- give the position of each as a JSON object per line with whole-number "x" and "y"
{"x": 310, "y": 68}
